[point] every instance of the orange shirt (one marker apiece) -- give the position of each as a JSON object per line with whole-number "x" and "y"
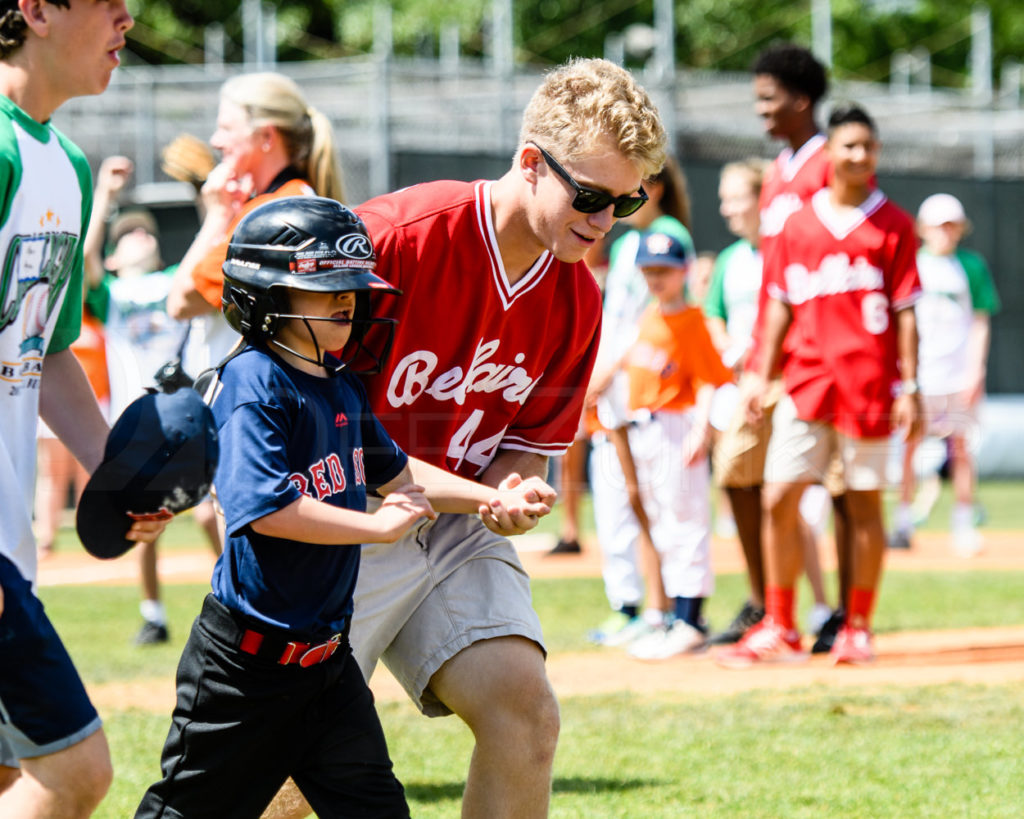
{"x": 90, "y": 348}
{"x": 207, "y": 275}
{"x": 672, "y": 358}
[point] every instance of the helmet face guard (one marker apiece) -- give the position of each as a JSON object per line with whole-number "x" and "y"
{"x": 371, "y": 361}
{"x": 311, "y": 244}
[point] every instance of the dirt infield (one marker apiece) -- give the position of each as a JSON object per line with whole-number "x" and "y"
{"x": 978, "y": 656}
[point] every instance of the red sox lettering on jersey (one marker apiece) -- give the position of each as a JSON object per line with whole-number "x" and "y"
{"x": 327, "y": 476}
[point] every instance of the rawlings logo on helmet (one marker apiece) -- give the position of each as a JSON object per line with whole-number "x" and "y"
{"x": 355, "y": 246}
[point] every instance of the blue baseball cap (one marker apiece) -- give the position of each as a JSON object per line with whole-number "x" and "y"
{"x": 662, "y": 250}
{"x": 159, "y": 460}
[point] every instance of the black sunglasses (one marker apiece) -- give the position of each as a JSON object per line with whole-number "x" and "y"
{"x": 588, "y": 200}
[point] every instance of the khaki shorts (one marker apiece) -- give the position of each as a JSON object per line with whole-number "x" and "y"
{"x": 739, "y": 454}
{"x": 803, "y": 452}
{"x": 946, "y": 415}
{"x": 447, "y": 584}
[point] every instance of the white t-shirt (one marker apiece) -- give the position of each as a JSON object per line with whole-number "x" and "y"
{"x": 47, "y": 185}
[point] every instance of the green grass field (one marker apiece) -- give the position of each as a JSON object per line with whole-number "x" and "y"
{"x": 932, "y": 750}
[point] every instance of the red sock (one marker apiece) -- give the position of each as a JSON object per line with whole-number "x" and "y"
{"x": 858, "y": 612}
{"x": 779, "y": 604}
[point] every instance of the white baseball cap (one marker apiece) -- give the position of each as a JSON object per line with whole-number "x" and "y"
{"x": 940, "y": 208}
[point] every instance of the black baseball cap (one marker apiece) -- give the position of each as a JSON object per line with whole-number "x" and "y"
{"x": 159, "y": 460}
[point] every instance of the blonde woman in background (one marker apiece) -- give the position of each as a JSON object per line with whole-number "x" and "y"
{"x": 272, "y": 143}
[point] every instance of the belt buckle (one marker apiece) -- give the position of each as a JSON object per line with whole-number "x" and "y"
{"x": 320, "y": 653}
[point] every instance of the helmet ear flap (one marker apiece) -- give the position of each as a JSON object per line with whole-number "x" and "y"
{"x": 268, "y": 309}
{"x": 237, "y": 305}
{"x": 252, "y": 314}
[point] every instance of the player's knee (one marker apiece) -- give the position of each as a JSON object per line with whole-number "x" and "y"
{"x": 532, "y": 720}
{"x": 81, "y": 779}
{"x": 91, "y": 784}
{"x": 547, "y": 723}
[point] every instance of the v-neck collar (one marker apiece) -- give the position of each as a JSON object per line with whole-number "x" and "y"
{"x": 842, "y": 223}
{"x": 507, "y": 292}
{"x": 791, "y": 162}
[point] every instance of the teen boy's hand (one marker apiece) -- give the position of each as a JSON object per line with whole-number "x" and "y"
{"x": 518, "y": 506}
{"x": 400, "y": 510}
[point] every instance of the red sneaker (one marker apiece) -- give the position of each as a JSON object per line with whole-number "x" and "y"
{"x": 767, "y": 642}
{"x": 853, "y": 645}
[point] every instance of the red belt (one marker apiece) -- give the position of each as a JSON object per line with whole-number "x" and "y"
{"x": 304, "y": 654}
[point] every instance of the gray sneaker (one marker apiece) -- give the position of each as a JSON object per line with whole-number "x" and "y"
{"x": 151, "y": 634}
{"x": 749, "y": 615}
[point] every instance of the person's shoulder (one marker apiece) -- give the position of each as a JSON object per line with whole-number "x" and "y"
{"x": 972, "y": 258}
{"x": 692, "y": 317}
{"x": 75, "y": 154}
{"x": 737, "y": 248}
{"x": 419, "y": 202}
{"x": 254, "y": 376}
{"x": 293, "y": 187}
{"x": 897, "y": 218}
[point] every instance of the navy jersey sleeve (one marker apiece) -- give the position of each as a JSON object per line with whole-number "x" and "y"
{"x": 253, "y": 476}
{"x": 383, "y": 459}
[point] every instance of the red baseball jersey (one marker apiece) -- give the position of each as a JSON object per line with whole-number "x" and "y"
{"x": 478, "y": 364}
{"x": 845, "y": 275}
{"x": 789, "y": 182}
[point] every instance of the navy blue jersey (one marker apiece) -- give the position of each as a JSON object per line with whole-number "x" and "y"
{"x": 283, "y": 434}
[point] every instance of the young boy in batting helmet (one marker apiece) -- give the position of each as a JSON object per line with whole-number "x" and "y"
{"x": 267, "y": 685}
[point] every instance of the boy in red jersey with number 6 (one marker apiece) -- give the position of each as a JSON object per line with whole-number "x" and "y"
{"x": 842, "y": 280}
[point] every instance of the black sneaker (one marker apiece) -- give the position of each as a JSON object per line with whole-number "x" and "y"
{"x": 827, "y": 635}
{"x": 151, "y": 634}
{"x": 748, "y": 616}
{"x": 566, "y": 547}
{"x": 899, "y": 540}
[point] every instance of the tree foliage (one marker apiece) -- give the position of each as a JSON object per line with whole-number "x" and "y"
{"x": 710, "y": 34}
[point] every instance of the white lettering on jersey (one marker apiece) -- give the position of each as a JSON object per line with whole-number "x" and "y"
{"x": 836, "y": 274}
{"x": 413, "y": 374}
{"x": 773, "y": 217}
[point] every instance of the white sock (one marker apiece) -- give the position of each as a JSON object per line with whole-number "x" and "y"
{"x": 963, "y": 516}
{"x": 654, "y": 617}
{"x": 153, "y": 612}
{"x": 904, "y": 518}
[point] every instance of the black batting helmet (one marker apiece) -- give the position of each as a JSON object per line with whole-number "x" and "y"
{"x": 302, "y": 243}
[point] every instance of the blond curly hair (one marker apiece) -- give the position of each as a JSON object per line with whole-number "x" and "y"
{"x": 585, "y": 101}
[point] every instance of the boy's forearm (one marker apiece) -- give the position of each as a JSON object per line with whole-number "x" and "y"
{"x": 906, "y": 343}
{"x": 777, "y": 320}
{"x": 314, "y": 522}
{"x": 67, "y": 404}
{"x": 448, "y": 492}
{"x": 978, "y": 346}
